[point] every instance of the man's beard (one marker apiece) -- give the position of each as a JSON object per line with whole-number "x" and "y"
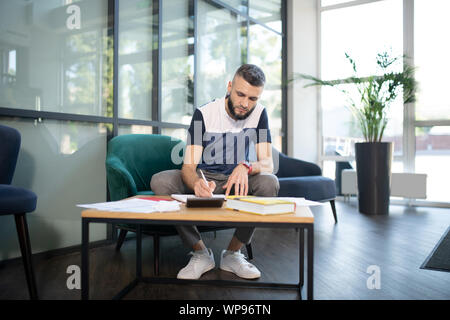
{"x": 236, "y": 116}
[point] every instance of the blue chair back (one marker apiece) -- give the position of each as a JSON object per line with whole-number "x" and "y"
{"x": 9, "y": 151}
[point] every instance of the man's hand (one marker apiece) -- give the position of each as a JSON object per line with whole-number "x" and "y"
{"x": 238, "y": 178}
{"x": 202, "y": 189}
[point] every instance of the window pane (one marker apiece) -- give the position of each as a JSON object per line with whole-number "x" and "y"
{"x": 267, "y": 12}
{"x": 55, "y": 57}
{"x": 432, "y": 158}
{"x": 64, "y": 164}
{"x": 136, "y": 48}
{"x": 325, "y": 3}
{"x": 260, "y": 39}
{"x": 177, "y": 89}
{"x": 221, "y": 50}
{"x": 241, "y": 5}
{"x": 178, "y": 133}
{"x": 134, "y": 129}
{"x": 357, "y": 31}
{"x": 431, "y": 58}
{"x": 340, "y": 36}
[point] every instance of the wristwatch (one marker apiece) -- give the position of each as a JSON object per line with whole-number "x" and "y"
{"x": 248, "y": 165}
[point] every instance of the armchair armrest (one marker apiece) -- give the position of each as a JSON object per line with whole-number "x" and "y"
{"x": 291, "y": 167}
{"x": 120, "y": 182}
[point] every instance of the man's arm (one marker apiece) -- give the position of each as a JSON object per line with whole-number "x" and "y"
{"x": 264, "y": 156}
{"x": 189, "y": 175}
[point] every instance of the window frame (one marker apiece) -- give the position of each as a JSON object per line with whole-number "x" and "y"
{"x": 409, "y": 121}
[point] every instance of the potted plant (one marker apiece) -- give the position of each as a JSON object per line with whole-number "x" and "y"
{"x": 374, "y": 95}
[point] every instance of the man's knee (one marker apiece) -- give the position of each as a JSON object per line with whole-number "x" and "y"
{"x": 167, "y": 182}
{"x": 266, "y": 185}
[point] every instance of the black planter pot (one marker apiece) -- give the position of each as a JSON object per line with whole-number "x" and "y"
{"x": 373, "y": 168}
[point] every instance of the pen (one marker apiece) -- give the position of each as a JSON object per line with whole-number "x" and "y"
{"x": 204, "y": 179}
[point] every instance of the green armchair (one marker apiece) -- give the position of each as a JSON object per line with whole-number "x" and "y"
{"x": 131, "y": 161}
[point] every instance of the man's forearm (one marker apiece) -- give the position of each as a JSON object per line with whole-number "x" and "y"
{"x": 189, "y": 176}
{"x": 264, "y": 165}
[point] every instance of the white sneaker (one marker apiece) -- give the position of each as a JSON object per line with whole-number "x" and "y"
{"x": 236, "y": 263}
{"x": 198, "y": 265}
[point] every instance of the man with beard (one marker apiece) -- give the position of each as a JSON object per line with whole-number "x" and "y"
{"x": 220, "y": 140}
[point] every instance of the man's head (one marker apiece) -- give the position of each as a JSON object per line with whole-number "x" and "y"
{"x": 244, "y": 91}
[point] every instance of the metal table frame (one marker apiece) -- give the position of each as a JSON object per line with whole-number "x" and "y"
{"x": 309, "y": 227}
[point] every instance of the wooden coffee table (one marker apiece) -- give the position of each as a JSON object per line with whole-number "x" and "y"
{"x": 302, "y": 219}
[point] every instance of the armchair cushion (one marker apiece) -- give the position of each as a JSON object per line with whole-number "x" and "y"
{"x": 291, "y": 167}
{"x": 133, "y": 159}
{"x": 315, "y": 188}
{"x": 300, "y": 178}
{"x": 15, "y": 200}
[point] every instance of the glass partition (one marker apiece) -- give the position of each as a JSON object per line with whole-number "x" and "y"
{"x": 136, "y": 50}
{"x": 177, "y": 74}
{"x": 270, "y": 62}
{"x": 221, "y": 50}
{"x": 52, "y": 56}
{"x": 63, "y": 162}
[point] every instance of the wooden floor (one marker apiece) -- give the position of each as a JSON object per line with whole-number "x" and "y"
{"x": 398, "y": 244}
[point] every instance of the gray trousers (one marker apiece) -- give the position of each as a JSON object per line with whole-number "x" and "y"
{"x": 170, "y": 182}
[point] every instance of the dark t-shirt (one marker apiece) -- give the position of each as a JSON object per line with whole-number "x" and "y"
{"x": 227, "y": 142}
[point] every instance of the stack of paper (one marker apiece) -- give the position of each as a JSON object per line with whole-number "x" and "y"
{"x": 134, "y": 205}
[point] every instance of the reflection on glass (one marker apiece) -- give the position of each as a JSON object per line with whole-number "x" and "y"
{"x": 177, "y": 89}
{"x": 260, "y": 40}
{"x": 80, "y": 86}
{"x": 432, "y": 158}
{"x": 241, "y": 5}
{"x": 134, "y": 129}
{"x": 431, "y": 59}
{"x": 63, "y": 162}
{"x": 221, "y": 50}
{"x": 136, "y": 49}
{"x": 267, "y": 12}
{"x": 135, "y": 86}
{"x": 177, "y": 133}
{"x": 53, "y": 60}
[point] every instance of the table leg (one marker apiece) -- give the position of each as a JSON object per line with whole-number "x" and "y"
{"x": 138, "y": 252}
{"x": 301, "y": 244}
{"x": 310, "y": 262}
{"x": 84, "y": 259}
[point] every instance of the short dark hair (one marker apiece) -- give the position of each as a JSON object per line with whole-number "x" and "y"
{"x": 252, "y": 74}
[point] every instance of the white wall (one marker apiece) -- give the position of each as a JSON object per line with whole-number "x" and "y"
{"x": 302, "y": 58}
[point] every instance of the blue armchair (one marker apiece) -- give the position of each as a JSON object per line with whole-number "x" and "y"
{"x": 15, "y": 200}
{"x": 299, "y": 178}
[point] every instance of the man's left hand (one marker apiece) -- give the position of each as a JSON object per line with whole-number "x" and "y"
{"x": 238, "y": 178}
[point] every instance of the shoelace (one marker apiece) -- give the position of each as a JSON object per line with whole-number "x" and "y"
{"x": 241, "y": 257}
{"x": 195, "y": 256}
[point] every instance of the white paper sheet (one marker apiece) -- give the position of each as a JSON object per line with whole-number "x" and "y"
{"x": 134, "y": 205}
{"x": 301, "y": 202}
{"x": 184, "y": 197}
